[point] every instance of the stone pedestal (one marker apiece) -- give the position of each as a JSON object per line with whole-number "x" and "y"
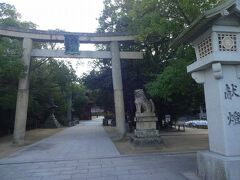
{"x": 215, "y": 166}
{"x": 52, "y": 122}
{"x": 146, "y": 132}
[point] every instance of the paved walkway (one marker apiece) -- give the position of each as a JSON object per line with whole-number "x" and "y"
{"x": 87, "y": 140}
{"x": 85, "y": 152}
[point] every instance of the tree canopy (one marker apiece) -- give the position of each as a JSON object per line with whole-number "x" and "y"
{"x": 50, "y": 80}
{"x": 162, "y": 73}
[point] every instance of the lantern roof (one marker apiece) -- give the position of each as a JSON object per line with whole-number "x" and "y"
{"x": 206, "y": 20}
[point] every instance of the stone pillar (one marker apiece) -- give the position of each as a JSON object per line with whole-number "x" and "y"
{"x": 22, "y": 96}
{"x": 118, "y": 88}
{"x": 222, "y": 95}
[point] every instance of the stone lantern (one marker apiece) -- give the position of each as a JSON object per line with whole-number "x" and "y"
{"x": 215, "y": 37}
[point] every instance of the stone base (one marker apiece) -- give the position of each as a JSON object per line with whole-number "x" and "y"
{"x": 213, "y": 166}
{"x": 149, "y": 133}
{"x": 146, "y": 137}
{"x": 146, "y": 132}
{"x": 145, "y": 114}
{"x": 145, "y": 122}
{"x": 146, "y": 141}
{"x": 52, "y": 122}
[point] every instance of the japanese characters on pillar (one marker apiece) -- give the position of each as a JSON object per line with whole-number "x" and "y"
{"x": 232, "y": 93}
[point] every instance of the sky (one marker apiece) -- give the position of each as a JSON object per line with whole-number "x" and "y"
{"x": 70, "y": 15}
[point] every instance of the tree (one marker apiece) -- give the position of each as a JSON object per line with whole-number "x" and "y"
{"x": 176, "y": 88}
{"x": 81, "y": 101}
{"x": 163, "y": 70}
{"x": 100, "y": 84}
{"x": 50, "y": 80}
{"x": 55, "y": 81}
{"x": 11, "y": 67}
{"x": 157, "y": 23}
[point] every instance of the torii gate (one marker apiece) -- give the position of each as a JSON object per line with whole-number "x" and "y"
{"x": 30, "y": 36}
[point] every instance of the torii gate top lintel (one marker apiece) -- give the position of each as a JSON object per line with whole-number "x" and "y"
{"x": 58, "y": 36}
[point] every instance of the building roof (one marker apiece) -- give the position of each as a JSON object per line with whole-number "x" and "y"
{"x": 206, "y": 20}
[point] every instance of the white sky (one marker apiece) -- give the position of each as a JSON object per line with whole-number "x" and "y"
{"x": 70, "y": 15}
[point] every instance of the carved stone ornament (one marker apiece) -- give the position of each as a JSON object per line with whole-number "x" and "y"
{"x": 227, "y": 42}
{"x": 143, "y": 105}
{"x": 217, "y": 70}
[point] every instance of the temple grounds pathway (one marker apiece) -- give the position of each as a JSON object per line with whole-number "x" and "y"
{"x": 86, "y": 152}
{"x": 32, "y": 136}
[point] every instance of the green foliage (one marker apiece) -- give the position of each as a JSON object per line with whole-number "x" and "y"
{"x": 100, "y": 84}
{"x": 114, "y": 17}
{"x": 80, "y": 100}
{"x": 165, "y": 18}
{"x": 8, "y": 11}
{"x": 9, "y": 17}
{"x": 10, "y": 55}
{"x": 11, "y": 67}
{"x": 50, "y": 80}
{"x": 177, "y": 88}
{"x": 163, "y": 70}
{"x": 174, "y": 78}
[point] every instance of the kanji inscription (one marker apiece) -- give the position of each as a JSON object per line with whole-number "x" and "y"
{"x": 231, "y": 91}
{"x": 233, "y": 118}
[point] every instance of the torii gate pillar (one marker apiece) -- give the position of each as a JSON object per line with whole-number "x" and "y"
{"x": 22, "y": 96}
{"x": 118, "y": 88}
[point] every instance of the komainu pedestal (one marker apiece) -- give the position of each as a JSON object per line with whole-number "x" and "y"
{"x": 146, "y": 132}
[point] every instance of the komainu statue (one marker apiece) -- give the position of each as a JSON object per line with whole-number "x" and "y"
{"x": 143, "y": 105}
{"x": 146, "y": 132}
